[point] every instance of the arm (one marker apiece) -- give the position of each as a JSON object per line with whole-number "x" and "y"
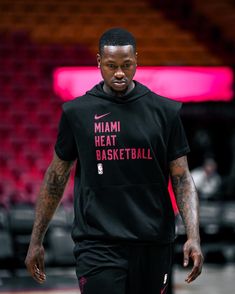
{"x": 50, "y": 194}
{"x": 187, "y": 201}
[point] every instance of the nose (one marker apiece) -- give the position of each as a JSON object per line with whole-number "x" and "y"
{"x": 119, "y": 74}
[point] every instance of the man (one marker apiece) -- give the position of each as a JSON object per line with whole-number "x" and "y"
{"x": 127, "y": 142}
{"x": 206, "y": 179}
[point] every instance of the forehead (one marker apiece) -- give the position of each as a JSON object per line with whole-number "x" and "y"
{"x": 113, "y": 52}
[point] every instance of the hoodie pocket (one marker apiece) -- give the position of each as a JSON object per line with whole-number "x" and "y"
{"x": 129, "y": 211}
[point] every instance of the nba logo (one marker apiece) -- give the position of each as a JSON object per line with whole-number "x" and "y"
{"x": 100, "y": 168}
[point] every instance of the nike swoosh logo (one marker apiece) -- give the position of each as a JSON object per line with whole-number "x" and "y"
{"x": 102, "y": 115}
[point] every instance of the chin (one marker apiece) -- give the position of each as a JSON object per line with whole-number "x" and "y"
{"x": 119, "y": 92}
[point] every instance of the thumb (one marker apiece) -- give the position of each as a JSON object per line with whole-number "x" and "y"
{"x": 186, "y": 256}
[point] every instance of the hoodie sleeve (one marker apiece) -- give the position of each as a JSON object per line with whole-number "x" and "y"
{"x": 177, "y": 143}
{"x": 65, "y": 146}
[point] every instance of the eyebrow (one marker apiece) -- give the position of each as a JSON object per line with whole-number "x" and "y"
{"x": 126, "y": 60}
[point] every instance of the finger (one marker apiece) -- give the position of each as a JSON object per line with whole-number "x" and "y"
{"x": 38, "y": 275}
{"x": 40, "y": 272}
{"x": 186, "y": 256}
{"x": 41, "y": 265}
{"x": 193, "y": 275}
{"x": 196, "y": 270}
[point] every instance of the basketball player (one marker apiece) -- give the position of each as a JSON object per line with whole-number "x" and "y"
{"x": 127, "y": 142}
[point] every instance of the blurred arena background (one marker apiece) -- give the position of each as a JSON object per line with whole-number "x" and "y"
{"x": 36, "y": 37}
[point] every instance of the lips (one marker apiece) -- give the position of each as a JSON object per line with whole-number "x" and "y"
{"x": 120, "y": 82}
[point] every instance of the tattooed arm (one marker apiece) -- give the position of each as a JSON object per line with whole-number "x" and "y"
{"x": 50, "y": 194}
{"x": 187, "y": 201}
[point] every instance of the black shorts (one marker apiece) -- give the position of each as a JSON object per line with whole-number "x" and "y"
{"x": 108, "y": 268}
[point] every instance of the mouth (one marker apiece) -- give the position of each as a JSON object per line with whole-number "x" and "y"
{"x": 120, "y": 83}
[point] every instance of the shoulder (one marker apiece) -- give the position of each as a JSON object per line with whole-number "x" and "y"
{"x": 78, "y": 105}
{"x": 166, "y": 105}
{"x": 72, "y": 105}
{"x": 157, "y": 101}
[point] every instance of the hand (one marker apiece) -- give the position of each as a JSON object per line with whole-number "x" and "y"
{"x": 35, "y": 263}
{"x": 192, "y": 250}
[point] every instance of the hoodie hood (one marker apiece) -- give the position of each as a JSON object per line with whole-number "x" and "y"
{"x": 138, "y": 92}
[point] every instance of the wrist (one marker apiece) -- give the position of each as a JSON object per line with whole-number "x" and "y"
{"x": 194, "y": 239}
{"x": 36, "y": 241}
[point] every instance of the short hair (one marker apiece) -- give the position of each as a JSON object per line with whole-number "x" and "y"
{"x": 116, "y": 37}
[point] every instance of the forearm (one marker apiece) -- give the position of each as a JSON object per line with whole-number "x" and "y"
{"x": 187, "y": 201}
{"x": 50, "y": 194}
{"x": 186, "y": 197}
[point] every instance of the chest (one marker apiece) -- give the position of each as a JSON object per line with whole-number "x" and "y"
{"x": 121, "y": 126}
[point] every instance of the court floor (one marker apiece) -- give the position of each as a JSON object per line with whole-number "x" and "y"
{"x": 213, "y": 280}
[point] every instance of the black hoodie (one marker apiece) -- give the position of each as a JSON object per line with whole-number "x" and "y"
{"x": 123, "y": 146}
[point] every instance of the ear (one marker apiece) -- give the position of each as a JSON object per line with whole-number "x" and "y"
{"x": 98, "y": 58}
{"x": 136, "y": 55}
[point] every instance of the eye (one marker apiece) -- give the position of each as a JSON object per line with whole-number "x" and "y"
{"x": 126, "y": 65}
{"x": 111, "y": 65}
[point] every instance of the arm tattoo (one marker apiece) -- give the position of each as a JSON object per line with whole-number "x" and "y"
{"x": 55, "y": 182}
{"x": 50, "y": 194}
{"x": 186, "y": 196}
